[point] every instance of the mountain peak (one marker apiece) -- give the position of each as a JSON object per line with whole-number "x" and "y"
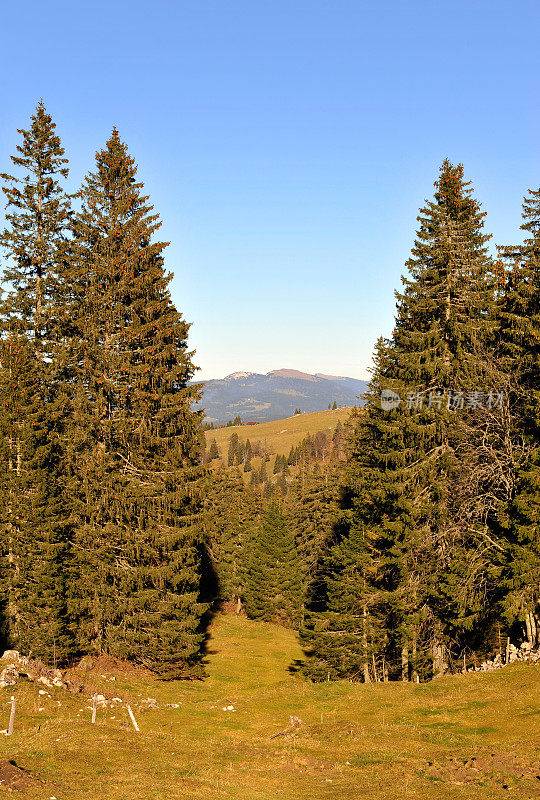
{"x": 236, "y": 375}
{"x": 330, "y": 377}
{"x": 291, "y": 373}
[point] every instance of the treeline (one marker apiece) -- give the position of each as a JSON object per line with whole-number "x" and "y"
{"x": 100, "y": 483}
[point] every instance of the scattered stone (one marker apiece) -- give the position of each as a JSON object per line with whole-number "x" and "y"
{"x": 45, "y": 681}
{"x": 11, "y": 655}
{"x": 9, "y": 676}
{"x": 149, "y": 703}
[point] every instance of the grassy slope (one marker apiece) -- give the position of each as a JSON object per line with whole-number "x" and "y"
{"x": 461, "y": 737}
{"x": 281, "y": 435}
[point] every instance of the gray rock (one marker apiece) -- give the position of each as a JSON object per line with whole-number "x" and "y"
{"x": 9, "y": 676}
{"x": 12, "y": 655}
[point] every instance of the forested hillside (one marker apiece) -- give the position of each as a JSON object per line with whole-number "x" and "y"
{"x": 400, "y": 541}
{"x": 275, "y": 396}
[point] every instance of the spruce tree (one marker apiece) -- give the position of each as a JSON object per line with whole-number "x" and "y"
{"x": 229, "y": 515}
{"x": 272, "y": 586}
{"x": 409, "y": 492}
{"x": 233, "y": 450}
{"x": 520, "y": 352}
{"x": 37, "y": 533}
{"x": 135, "y": 442}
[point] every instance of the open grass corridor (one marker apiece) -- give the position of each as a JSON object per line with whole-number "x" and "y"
{"x": 474, "y": 736}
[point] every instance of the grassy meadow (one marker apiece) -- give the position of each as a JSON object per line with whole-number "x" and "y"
{"x": 283, "y": 434}
{"x": 473, "y": 736}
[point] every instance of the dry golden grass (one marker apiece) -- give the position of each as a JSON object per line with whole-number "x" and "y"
{"x": 474, "y": 736}
{"x": 280, "y": 436}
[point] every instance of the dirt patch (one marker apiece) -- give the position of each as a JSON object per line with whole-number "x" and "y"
{"x": 105, "y": 663}
{"x": 90, "y": 669}
{"x": 14, "y": 777}
{"x": 507, "y": 771}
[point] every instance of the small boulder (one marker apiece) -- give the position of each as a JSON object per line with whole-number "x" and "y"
{"x": 9, "y": 676}
{"x": 11, "y": 655}
{"x": 149, "y": 703}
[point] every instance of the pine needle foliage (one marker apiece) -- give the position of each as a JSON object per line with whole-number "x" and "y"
{"x": 520, "y": 352}
{"x": 135, "y": 443}
{"x": 36, "y": 246}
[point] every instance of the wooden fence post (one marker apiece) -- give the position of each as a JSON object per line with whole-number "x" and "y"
{"x": 12, "y": 716}
{"x": 134, "y": 721}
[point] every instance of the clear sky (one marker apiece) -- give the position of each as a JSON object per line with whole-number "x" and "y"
{"x": 287, "y": 145}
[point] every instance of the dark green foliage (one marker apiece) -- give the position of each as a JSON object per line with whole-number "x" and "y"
{"x": 214, "y": 451}
{"x": 230, "y": 512}
{"x": 416, "y": 541}
{"x": 340, "y": 641}
{"x": 135, "y": 444}
{"x": 272, "y": 580}
{"x": 232, "y": 455}
{"x": 33, "y": 413}
{"x": 520, "y": 352}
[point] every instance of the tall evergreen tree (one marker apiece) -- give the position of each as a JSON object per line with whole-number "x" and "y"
{"x": 233, "y": 450}
{"x": 135, "y": 442}
{"x": 520, "y": 350}
{"x": 408, "y": 488}
{"x": 230, "y": 514}
{"x": 37, "y": 532}
{"x": 272, "y": 578}
{"x": 214, "y": 451}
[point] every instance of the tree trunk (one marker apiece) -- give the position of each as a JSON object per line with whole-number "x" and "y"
{"x": 534, "y": 631}
{"x": 405, "y": 663}
{"x": 367, "y": 677}
{"x": 528, "y": 628}
{"x": 414, "y": 675}
{"x": 438, "y": 659}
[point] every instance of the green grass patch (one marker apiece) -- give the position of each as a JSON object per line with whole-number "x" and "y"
{"x": 456, "y": 738}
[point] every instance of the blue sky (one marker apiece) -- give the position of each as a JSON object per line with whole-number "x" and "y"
{"x": 287, "y": 145}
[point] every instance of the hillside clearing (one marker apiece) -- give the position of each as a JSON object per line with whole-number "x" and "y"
{"x": 473, "y": 736}
{"x": 282, "y": 434}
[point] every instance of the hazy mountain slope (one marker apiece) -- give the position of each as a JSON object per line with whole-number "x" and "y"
{"x": 263, "y": 398}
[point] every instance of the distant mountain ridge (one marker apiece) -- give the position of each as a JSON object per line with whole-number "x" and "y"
{"x": 263, "y": 398}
